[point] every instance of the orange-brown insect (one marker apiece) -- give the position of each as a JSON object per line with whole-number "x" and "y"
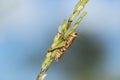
{"x": 69, "y": 41}
{"x": 61, "y": 50}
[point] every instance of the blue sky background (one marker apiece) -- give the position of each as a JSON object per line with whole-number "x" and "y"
{"x": 27, "y": 28}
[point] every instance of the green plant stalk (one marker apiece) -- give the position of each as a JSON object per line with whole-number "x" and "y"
{"x": 59, "y": 40}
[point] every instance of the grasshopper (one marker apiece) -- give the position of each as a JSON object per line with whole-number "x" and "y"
{"x": 63, "y": 39}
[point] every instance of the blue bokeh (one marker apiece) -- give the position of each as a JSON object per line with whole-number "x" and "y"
{"x": 27, "y": 28}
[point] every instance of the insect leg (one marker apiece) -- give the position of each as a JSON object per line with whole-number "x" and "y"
{"x": 55, "y": 48}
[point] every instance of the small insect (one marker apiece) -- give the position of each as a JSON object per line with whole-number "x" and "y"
{"x": 68, "y": 42}
{"x": 60, "y": 50}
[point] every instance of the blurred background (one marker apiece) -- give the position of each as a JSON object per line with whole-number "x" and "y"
{"x": 27, "y": 28}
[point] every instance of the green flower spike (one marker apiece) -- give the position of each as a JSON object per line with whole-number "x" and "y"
{"x": 63, "y": 39}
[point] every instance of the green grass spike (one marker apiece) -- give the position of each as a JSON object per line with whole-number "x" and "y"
{"x": 72, "y": 29}
{"x": 60, "y": 39}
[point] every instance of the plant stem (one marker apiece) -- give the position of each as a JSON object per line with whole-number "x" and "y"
{"x": 59, "y": 41}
